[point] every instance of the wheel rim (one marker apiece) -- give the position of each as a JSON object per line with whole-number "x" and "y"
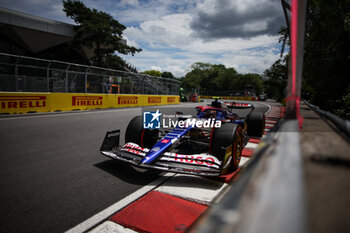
{"x": 236, "y": 154}
{"x": 263, "y": 126}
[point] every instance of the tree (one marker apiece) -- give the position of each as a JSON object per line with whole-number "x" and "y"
{"x": 98, "y": 30}
{"x": 153, "y": 73}
{"x": 345, "y": 102}
{"x": 217, "y": 78}
{"x": 252, "y": 79}
{"x": 167, "y": 74}
{"x": 198, "y": 77}
{"x": 276, "y": 80}
{"x": 327, "y": 53}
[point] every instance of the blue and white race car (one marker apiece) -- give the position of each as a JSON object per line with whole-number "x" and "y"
{"x": 209, "y": 144}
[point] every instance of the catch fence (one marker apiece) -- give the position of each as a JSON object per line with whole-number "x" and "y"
{"x": 28, "y": 74}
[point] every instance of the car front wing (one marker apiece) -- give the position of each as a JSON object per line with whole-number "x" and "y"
{"x": 198, "y": 164}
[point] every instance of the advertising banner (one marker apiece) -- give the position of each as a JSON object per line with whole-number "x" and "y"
{"x": 23, "y": 103}
{"x": 13, "y": 103}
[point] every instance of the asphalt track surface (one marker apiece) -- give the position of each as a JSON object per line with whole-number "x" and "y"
{"x": 52, "y": 176}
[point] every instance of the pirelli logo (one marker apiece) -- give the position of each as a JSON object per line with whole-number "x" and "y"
{"x": 128, "y": 100}
{"x": 154, "y": 100}
{"x": 171, "y": 99}
{"x": 87, "y": 100}
{"x": 8, "y": 102}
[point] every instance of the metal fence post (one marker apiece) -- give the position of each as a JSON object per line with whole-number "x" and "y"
{"x": 85, "y": 81}
{"x": 47, "y": 77}
{"x": 24, "y": 83}
{"x": 16, "y": 76}
{"x": 16, "y": 73}
{"x": 103, "y": 84}
{"x": 152, "y": 90}
{"x": 67, "y": 78}
{"x": 167, "y": 87}
{"x": 131, "y": 85}
{"x": 141, "y": 85}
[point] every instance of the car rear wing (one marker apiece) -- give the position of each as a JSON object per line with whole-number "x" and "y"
{"x": 238, "y": 105}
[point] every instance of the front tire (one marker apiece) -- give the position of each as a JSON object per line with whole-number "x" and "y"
{"x": 227, "y": 146}
{"x": 135, "y": 133}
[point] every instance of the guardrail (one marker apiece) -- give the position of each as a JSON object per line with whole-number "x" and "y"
{"x": 268, "y": 197}
{"x": 342, "y": 125}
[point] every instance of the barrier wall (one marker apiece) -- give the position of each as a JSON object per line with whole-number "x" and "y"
{"x": 251, "y": 98}
{"x": 15, "y": 102}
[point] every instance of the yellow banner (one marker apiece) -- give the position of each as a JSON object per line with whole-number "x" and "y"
{"x": 45, "y": 102}
{"x": 24, "y": 103}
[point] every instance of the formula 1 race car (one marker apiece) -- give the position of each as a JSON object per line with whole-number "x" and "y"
{"x": 209, "y": 144}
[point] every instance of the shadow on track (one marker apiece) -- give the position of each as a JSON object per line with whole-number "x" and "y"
{"x": 140, "y": 176}
{"x": 128, "y": 173}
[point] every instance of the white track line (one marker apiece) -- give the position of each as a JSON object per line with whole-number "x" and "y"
{"x": 267, "y": 106}
{"x": 251, "y": 145}
{"x": 99, "y": 217}
{"x": 111, "y": 227}
{"x": 194, "y": 188}
{"x": 271, "y": 121}
{"x": 243, "y": 161}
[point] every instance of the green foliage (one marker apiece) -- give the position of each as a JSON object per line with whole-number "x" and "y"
{"x": 327, "y": 54}
{"x": 344, "y": 102}
{"x": 153, "y": 73}
{"x": 252, "y": 79}
{"x": 167, "y": 74}
{"x": 157, "y": 73}
{"x": 276, "y": 80}
{"x": 114, "y": 61}
{"x": 99, "y": 31}
{"x": 326, "y": 80}
{"x": 212, "y": 77}
{"x": 284, "y": 35}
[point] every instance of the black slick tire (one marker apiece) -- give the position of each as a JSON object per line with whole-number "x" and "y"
{"x": 256, "y": 124}
{"x": 135, "y": 133}
{"x": 227, "y": 145}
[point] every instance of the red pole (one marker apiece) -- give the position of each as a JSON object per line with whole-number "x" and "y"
{"x": 296, "y": 59}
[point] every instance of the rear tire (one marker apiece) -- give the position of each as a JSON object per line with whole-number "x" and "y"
{"x": 256, "y": 124}
{"x": 229, "y": 136}
{"x": 135, "y": 133}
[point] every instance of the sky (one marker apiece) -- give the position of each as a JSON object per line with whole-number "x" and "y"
{"x": 174, "y": 34}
